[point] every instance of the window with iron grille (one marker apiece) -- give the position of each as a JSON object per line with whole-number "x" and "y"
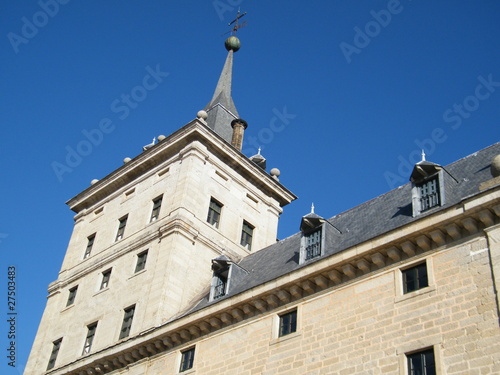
{"x": 288, "y": 323}
{"x": 72, "y": 296}
{"x": 106, "y": 275}
{"x": 127, "y": 322}
{"x": 187, "y": 360}
{"x": 90, "y": 338}
{"x": 429, "y": 194}
{"x": 313, "y": 244}
{"x": 246, "y": 235}
{"x": 90, "y": 244}
{"x": 56, "y": 345}
{"x": 121, "y": 228}
{"x": 141, "y": 261}
{"x": 415, "y": 278}
{"x": 214, "y": 212}
{"x": 220, "y": 284}
{"x": 421, "y": 363}
{"x": 155, "y": 213}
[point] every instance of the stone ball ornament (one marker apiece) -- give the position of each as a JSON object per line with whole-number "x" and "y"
{"x": 275, "y": 172}
{"x": 202, "y": 114}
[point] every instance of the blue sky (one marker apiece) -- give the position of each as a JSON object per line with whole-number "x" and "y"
{"x": 341, "y": 96}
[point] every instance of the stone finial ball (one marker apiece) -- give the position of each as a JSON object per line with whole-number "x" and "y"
{"x": 94, "y": 181}
{"x": 202, "y": 114}
{"x": 126, "y": 160}
{"x": 495, "y": 166}
{"x": 161, "y": 138}
{"x": 232, "y": 43}
{"x": 275, "y": 172}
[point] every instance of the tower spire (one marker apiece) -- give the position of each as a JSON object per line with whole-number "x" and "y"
{"x": 221, "y": 109}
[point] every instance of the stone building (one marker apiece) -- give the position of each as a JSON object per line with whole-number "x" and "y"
{"x": 174, "y": 267}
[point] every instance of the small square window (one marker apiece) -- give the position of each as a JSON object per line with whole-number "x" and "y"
{"x": 187, "y": 360}
{"x": 415, "y": 278}
{"x": 106, "y": 275}
{"x": 155, "y": 213}
{"x": 214, "y": 213}
{"x": 56, "y": 345}
{"x": 421, "y": 363}
{"x": 90, "y": 338}
{"x": 90, "y": 244}
{"x": 127, "y": 322}
{"x": 121, "y": 228}
{"x": 72, "y": 296}
{"x": 246, "y": 235}
{"x": 141, "y": 261}
{"x": 288, "y": 323}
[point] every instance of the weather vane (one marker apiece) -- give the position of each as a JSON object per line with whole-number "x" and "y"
{"x": 236, "y": 23}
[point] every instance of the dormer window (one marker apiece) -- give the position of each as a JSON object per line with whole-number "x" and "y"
{"x": 313, "y": 244}
{"x": 220, "y": 285}
{"x": 428, "y": 186}
{"x": 226, "y": 275}
{"x": 429, "y": 194}
{"x": 312, "y": 241}
{"x": 221, "y": 266}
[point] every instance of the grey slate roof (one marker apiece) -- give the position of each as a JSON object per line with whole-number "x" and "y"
{"x": 366, "y": 221}
{"x": 221, "y": 109}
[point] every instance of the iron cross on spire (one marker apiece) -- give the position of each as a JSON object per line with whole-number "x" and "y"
{"x": 236, "y": 23}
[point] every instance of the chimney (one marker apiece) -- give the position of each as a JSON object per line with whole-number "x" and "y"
{"x": 239, "y": 127}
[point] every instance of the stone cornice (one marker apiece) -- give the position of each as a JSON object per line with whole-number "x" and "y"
{"x": 172, "y": 224}
{"x": 431, "y": 233}
{"x": 168, "y": 148}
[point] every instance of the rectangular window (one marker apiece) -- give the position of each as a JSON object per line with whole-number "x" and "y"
{"x": 121, "y": 228}
{"x": 187, "y": 360}
{"x": 288, "y": 323}
{"x": 313, "y": 244}
{"x": 56, "y": 345}
{"x": 246, "y": 235}
{"x": 90, "y": 244}
{"x": 141, "y": 261}
{"x": 72, "y": 296}
{"x": 127, "y": 322}
{"x": 214, "y": 212}
{"x": 429, "y": 194}
{"x": 106, "y": 275}
{"x": 421, "y": 363}
{"x": 89, "y": 339}
{"x": 156, "y": 209}
{"x": 220, "y": 285}
{"x": 415, "y": 278}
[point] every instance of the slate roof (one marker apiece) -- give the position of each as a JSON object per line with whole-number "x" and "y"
{"x": 364, "y": 222}
{"x": 221, "y": 109}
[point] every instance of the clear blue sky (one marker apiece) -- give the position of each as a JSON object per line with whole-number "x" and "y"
{"x": 340, "y": 95}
